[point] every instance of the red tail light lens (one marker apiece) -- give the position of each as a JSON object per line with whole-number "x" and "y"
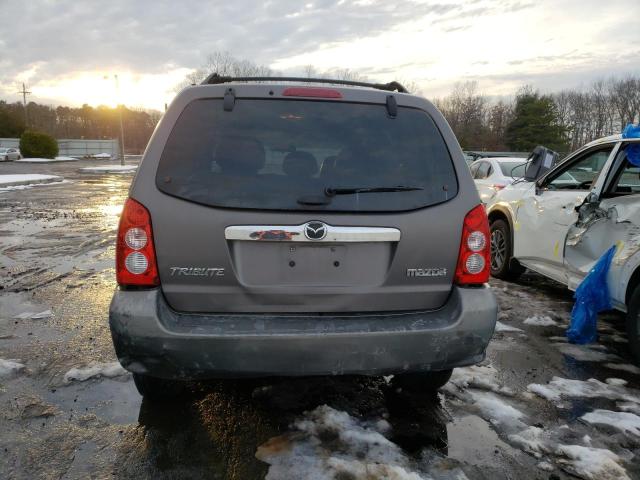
{"x": 498, "y": 186}
{"x": 474, "y": 258}
{"x": 135, "y": 254}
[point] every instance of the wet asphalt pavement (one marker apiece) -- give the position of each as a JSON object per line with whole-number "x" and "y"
{"x": 56, "y": 253}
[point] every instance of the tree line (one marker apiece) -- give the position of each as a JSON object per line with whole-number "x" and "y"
{"x": 563, "y": 120}
{"x": 79, "y": 122}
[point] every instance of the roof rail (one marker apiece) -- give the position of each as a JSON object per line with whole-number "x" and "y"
{"x": 215, "y": 79}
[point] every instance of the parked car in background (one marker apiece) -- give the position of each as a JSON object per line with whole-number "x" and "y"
{"x": 493, "y": 174}
{"x": 560, "y": 224}
{"x": 281, "y": 229}
{"x": 9, "y": 154}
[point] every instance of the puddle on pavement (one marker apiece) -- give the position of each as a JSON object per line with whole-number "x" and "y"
{"x": 113, "y": 400}
{"x": 472, "y": 441}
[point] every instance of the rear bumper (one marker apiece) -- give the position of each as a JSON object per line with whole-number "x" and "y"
{"x": 152, "y": 339}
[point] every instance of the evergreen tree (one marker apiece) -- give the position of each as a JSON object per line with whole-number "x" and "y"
{"x": 535, "y": 122}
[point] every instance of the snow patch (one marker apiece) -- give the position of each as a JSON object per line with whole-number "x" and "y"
{"x": 47, "y": 160}
{"x": 113, "y": 369}
{"x": 501, "y": 327}
{"x": 546, "y": 466}
{"x": 27, "y": 179}
{"x": 629, "y": 407}
{"x": 9, "y": 368}
{"x": 531, "y": 440}
{"x": 591, "y": 463}
{"x": 540, "y": 321}
{"x": 559, "y": 387}
{"x": 496, "y": 411}
{"x": 484, "y": 377}
{"x": 34, "y": 316}
{"x": 623, "y": 421}
{"x": 328, "y": 443}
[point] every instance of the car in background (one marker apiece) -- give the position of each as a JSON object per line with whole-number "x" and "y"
{"x": 493, "y": 174}
{"x": 8, "y": 154}
{"x": 560, "y": 224}
{"x": 281, "y": 229}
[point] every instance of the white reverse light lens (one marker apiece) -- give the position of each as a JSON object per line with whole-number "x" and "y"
{"x": 135, "y": 238}
{"x": 476, "y": 241}
{"x": 474, "y": 263}
{"x": 136, "y": 263}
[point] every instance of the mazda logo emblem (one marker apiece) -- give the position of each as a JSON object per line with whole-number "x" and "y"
{"x": 315, "y": 230}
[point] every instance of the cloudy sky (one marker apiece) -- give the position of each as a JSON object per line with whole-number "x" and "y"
{"x": 67, "y": 51}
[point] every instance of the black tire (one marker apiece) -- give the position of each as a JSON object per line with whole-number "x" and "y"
{"x": 6, "y": 158}
{"x": 421, "y": 382}
{"x": 633, "y": 324}
{"x": 502, "y": 264}
{"x": 153, "y": 388}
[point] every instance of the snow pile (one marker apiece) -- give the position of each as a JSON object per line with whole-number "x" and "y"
{"x": 27, "y": 179}
{"x": 563, "y": 387}
{"x": 540, "y": 321}
{"x": 110, "y": 169}
{"x": 9, "y": 368}
{"x": 591, "y": 463}
{"x": 35, "y": 316}
{"x": 484, "y": 377}
{"x": 101, "y": 155}
{"x": 501, "y": 327}
{"x": 623, "y": 421}
{"x": 110, "y": 370}
{"x": 330, "y": 444}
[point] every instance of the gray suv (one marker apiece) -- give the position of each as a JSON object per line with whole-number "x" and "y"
{"x": 281, "y": 227}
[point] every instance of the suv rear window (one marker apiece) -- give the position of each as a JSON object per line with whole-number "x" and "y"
{"x": 278, "y": 154}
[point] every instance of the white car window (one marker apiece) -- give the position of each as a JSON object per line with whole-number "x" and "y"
{"x": 580, "y": 173}
{"x": 484, "y": 170}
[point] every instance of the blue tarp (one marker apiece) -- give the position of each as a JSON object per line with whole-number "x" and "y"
{"x": 633, "y": 150}
{"x": 592, "y": 296}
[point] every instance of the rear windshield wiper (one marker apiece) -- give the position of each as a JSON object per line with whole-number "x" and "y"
{"x": 333, "y": 191}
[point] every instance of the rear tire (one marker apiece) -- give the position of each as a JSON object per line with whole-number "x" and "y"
{"x": 421, "y": 382}
{"x": 502, "y": 263}
{"x": 633, "y": 324}
{"x": 153, "y": 388}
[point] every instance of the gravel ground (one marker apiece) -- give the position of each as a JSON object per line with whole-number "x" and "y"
{"x": 67, "y": 410}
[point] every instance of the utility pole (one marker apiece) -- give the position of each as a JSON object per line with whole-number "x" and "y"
{"x": 24, "y": 93}
{"x": 121, "y": 125}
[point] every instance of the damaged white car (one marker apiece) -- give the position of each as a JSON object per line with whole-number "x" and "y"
{"x": 561, "y": 223}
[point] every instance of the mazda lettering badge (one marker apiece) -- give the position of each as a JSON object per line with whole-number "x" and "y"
{"x": 315, "y": 230}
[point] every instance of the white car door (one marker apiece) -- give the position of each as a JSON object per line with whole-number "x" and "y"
{"x": 545, "y": 213}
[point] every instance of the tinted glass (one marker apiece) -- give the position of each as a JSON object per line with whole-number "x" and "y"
{"x": 483, "y": 170}
{"x": 275, "y": 154}
{"x": 512, "y": 169}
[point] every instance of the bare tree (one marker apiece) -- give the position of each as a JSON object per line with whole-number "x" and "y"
{"x": 224, "y": 64}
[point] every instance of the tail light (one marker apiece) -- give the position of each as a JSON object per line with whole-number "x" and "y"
{"x": 135, "y": 254}
{"x": 474, "y": 257}
{"x": 498, "y": 186}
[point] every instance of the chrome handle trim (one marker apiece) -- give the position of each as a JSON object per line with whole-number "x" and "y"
{"x": 295, "y": 233}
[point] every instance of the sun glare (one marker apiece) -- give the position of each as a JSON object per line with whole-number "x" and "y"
{"x": 101, "y": 88}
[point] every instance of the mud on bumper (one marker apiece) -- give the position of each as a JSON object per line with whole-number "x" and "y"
{"x": 152, "y": 339}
